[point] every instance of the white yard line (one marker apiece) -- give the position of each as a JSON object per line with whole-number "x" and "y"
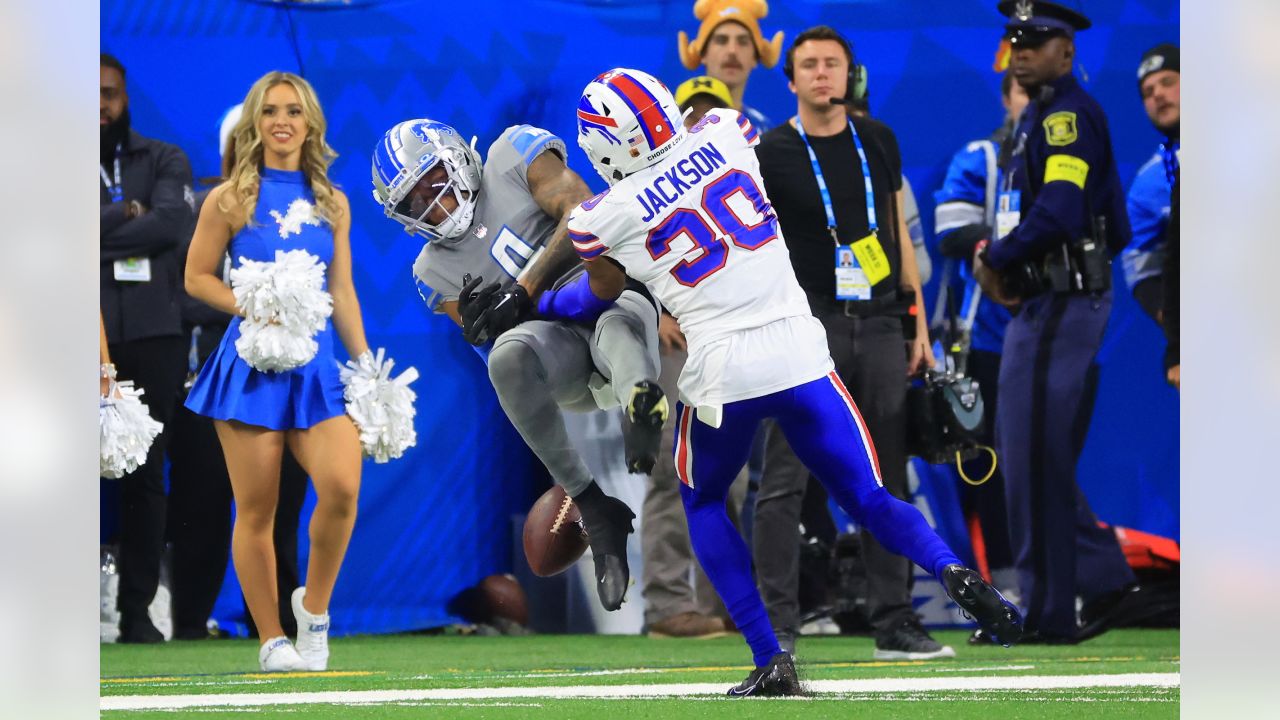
{"x": 881, "y": 685}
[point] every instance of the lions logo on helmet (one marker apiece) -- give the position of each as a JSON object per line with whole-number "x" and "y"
{"x": 627, "y": 120}
{"x": 404, "y": 157}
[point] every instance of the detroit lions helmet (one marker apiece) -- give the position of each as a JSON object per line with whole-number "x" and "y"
{"x": 405, "y": 155}
{"x": 627, "y": 120}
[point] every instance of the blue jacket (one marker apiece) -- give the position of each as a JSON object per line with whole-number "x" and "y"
{"x": 1148, "y": 206}
{"x": 962, "y": 201}
{"x": 1063, "y": 165}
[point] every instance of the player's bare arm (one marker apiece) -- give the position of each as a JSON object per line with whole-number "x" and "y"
{"x": 450, "y": 308}
{"x": 557, "y": 190}
{"x": 606, "y": 277}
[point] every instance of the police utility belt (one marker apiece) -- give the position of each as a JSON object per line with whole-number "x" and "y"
{"x": 1080, "y": 267}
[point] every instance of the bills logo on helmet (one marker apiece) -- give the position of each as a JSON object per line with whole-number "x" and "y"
{"x": 590, "y": 119}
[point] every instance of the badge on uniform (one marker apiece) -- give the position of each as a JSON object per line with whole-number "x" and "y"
{"x": 851, "y": 279}
{"x": 1060, "y": 129}
{"x": 1008, "y": 212}
{"x": 133, "y": 270}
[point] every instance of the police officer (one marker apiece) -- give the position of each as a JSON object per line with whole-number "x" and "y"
{"x": 1159, "y": 84}
{"x": 1060, "y": 215}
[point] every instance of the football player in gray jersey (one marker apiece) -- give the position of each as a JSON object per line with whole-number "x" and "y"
{"x": 549, "y": 343}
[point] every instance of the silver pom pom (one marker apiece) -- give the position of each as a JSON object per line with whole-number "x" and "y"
{"x": 285, "y": 305}
{"x": 126, "y": 430}
{"x": 381, "y": 406}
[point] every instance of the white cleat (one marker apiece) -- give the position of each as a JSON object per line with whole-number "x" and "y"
{"x": 277, "y": 654}
{"x": 313, "y": 634}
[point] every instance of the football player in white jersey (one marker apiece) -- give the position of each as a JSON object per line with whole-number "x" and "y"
{"x": 502, "y": 220}
{"x": 686, "y": 214}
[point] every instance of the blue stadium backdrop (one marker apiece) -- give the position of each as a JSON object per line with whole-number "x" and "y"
{"x": 437, "y": 520}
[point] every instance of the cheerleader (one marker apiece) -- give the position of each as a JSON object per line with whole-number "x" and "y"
{"x": 278, "y": 213}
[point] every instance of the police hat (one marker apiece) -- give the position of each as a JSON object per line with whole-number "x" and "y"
{"x": 1032, "y": 22}
{"x": 703, "y": 85}
{"x": 1161, "y": 57}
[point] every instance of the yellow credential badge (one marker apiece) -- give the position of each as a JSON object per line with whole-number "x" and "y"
{"x": 871, "y": 258}
{"x": 1066, "y": 167}
{"x": 1060, "y": 129}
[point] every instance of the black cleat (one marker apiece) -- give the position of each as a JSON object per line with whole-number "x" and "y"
{"x": 608, "y": 523}
{"x": 642, "y": 431}
{"x": 997, "y": 616}
{"x": 982, "y": 637}
{"x": 776, "y": 679}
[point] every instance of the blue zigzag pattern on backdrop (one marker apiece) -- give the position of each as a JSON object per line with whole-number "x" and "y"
{"x": 436, "y": 521}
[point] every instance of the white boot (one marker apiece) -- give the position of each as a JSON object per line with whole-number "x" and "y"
{"x": 278, "y": 655}
{"x": 313, "y": 634}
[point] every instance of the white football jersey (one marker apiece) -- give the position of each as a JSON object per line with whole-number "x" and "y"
{"x": 698, "y": 230}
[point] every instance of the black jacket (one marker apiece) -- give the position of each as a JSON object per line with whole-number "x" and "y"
{"x": 158, "y": 175}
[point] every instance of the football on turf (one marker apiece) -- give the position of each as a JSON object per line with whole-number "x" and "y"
{"x": 554, "y": 536}
{"x": 504, "y": 598}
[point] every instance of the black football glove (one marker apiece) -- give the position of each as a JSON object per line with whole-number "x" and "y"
{"x": 504, "y": 312}
{"x": 471, "y": 305}
{"x": 959, "y": 243}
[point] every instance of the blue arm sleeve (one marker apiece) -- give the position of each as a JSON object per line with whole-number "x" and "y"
{"x": 574, "y": 301}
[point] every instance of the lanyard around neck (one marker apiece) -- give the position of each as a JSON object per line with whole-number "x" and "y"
{"x": 822, "y": 183}
{"x": 116, "y": 189}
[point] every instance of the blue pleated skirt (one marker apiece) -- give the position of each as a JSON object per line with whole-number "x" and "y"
{"x": 228, "y": 388}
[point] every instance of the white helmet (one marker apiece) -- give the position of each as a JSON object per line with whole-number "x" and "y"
{"x": 627, "y": 120}
{"x": 409, "y": 151}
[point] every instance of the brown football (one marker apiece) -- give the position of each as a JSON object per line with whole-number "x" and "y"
{"x": 554, "y": 537}
{"x": 504, "y": 598}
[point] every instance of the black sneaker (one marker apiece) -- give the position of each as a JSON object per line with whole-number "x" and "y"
{"x": 642, "y": 430}
{"x": 608, "y": 523}
{"x": 139, "y": 630}
{"x": 983, "y": 603}
{"x": 775, "y": 679}
{"x": 909, "y": 641}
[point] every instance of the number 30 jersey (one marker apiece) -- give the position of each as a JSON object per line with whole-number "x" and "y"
{"x": 509, "y": 226}
{"x": 698, "y": 230}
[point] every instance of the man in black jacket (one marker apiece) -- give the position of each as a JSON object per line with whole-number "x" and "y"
{"x": 146, "y": 206}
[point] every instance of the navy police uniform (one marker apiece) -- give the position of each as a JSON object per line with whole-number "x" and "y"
{"x": 1062, "y": 216}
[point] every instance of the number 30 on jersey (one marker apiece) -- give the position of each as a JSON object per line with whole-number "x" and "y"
{"x": 711, "y": 239}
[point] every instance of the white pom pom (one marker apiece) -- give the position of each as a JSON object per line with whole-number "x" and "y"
{"x": 381, "y": 406}
{"x": 126, "y": 430}
{"x": 285, "y": 305}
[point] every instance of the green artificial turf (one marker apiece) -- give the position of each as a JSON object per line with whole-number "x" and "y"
{"x": 425, "y": 662}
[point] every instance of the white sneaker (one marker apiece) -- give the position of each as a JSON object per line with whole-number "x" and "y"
{"x": 278, "y": 655}
{"x": 313, "y": 634}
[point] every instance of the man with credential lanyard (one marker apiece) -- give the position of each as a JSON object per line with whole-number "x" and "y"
{"x": 145, "y": 211}
{"x": 836, "y": 185}
{"x": 1059, "y": 219}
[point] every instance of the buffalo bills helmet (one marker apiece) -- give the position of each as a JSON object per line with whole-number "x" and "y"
{"x": 404, "y": 157}
{"x": 627, "y": 121}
